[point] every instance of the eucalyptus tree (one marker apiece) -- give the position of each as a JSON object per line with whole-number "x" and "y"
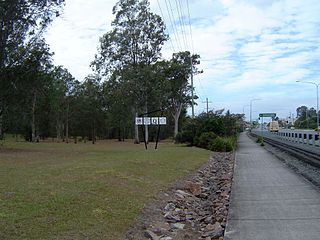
{"x": 34, "y": 80}
{"x": 178, "y": 89}
{"x": 62, "y": 89}
{"x": 22, "y": 24}
{"x": 133, "y": 44}
{"x": 90, "y": 111}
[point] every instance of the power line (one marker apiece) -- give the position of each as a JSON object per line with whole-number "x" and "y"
{"x": 173, "y": 23}
{"x": 189, "y": 16}
{"x": 172, "y": 47}
{"x": 182, "y": 25}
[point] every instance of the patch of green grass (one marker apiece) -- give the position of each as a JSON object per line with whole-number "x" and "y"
{"x": 84, "y": 191}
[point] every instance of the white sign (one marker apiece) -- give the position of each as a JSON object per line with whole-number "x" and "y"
{"x": 155, "y": 121}
{"x": 139, "y": 121}
{"x": 146, "y": 121}
{"x": 162, "y": 120}
{"x": 152, "y": 120}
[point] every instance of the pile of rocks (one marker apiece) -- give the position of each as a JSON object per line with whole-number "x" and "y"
{"x": 198, "y": 207}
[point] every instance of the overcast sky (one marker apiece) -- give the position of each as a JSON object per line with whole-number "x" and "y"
{"x": 250, "y": 49}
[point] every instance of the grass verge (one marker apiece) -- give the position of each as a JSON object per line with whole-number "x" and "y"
{"x": 84, "y": 191}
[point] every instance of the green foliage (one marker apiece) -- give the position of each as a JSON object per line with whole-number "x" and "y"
{"x": 220, "y": 144}
{"x": 187, "y": 134}
{"x": 213, "y": 122}
{"x": 259, "y": 139}
{"x": 307, "y": 118}
{"x": 205, "y": 139}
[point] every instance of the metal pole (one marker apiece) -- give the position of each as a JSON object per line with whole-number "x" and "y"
{"x": 251, "y": 108}
{"x": 250, "y": 112}
{"x": 317, "y": 85}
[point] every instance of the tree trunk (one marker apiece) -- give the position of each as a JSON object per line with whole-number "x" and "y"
{"x": 58, "y": 130}
{"x": 67, "y": 124}
{"x": 119, "y": 132}
{"x": 33, "y": 124}
{"x": 146, "y": 127}
{"x": 136, "y": 132}
{"x": 1, "y": 120}
{"x": 93, "y": 133}
{"x": 176, "y": 117}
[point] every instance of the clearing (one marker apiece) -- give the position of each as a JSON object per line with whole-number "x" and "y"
{"x": 84, "y": 191}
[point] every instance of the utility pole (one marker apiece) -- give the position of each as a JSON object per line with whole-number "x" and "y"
{"x": 255, "y": 99}
{"x": 207, "y": 104}
{"x": 192, "y": 98}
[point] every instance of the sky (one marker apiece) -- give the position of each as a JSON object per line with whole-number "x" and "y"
{"x": 252, "y": 51}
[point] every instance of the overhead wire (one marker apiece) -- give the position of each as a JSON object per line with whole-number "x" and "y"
{"x": 182, "y": 25}
{"x": 162, "y": 15}
{"x": 184, "y": 42}
{"x": 173, "y": 24}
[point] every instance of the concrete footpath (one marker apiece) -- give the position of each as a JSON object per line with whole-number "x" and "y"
{"x": 269, "y": 201}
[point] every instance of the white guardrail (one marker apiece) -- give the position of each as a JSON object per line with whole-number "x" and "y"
{"x": 307, "y": 137}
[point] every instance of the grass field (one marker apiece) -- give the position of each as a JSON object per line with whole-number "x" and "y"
{"x": 84, "y": 191}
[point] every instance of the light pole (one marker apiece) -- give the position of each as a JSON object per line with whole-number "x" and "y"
{"x": 317, "y": 87}
{"x": 255, "y": 99}
{"x": 244, "y": 118}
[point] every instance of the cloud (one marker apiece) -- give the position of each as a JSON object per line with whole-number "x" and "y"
{"x": 248, "y": 48}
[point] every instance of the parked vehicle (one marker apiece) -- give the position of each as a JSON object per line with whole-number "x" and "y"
{"x": 274, "y": 126}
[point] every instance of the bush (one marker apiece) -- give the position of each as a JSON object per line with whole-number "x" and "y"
{"x": 259, "y": 139}
{"x": 205, "y": 139}
{"x": 222, "y": 145}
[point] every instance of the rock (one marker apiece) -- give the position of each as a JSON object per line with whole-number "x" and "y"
{"x": 166, "y": 238}
{"x": 170, "y": 207}
{"x": 182, "y": 193}
{"x": 193, "y": 188}
{"x": 178, "y": 226}
{"x": 170, "y": 217}
{"x": 213, "y": 234}
{"x": 151, "y": 235}
{"x": 198, "y": 209}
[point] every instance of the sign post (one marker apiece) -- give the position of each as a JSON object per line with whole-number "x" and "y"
{"x": 143, "y": 120}
{"x": 272, "y": 115}
{"x": 262, "y": 115}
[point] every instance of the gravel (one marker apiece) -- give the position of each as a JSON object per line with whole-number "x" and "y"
{"x": 195, "y": 208}
{"x": 308, "y": 171}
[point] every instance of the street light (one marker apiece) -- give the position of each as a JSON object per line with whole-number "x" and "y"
{"x": 317, "y": 87}
{"x": 244, "y": 115}
{"x": 255, "y": 99}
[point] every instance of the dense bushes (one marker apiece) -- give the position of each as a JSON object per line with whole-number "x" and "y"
{"x": 205, "y": 139}
{"x": 212, "y": 131}
{"x": 223, "y": 144}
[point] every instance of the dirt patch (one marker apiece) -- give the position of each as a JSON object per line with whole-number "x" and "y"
{"x": 196, "y": 207}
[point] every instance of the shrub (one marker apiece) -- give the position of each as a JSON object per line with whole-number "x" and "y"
{"x": 259, "y": 139}
{"x": 205, "y": 139}
{"x": 222, "y": 145}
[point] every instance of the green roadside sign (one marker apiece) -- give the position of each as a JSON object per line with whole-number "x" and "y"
{"x": 272, "y": 115}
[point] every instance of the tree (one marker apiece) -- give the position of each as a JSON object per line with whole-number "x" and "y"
{"x": 178, "y": 90}
{"x": 306, "y": 118}
{"x": 33, "y": 80}
{"x": 22, "y": 24}
{"x": 130, "y": 47}
{"x": 61, "y": 92}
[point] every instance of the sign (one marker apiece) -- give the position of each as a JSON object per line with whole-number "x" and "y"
{"x": 155, "y": 121}
{"x": 146, "y": 121}
{"x": 272, "y": 115}
{"x": 151, "y": 121}
{"x": 139, "y": 121}
{"x": 162, "y": 120}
